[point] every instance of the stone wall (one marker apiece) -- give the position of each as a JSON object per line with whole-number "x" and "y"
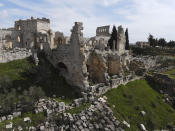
{"x": 163, "y": 81}
{"x": 97, "y": 67}
{"x": 15, "y": 54}
{"x": 3, "y": 37}
{"x": 114, "y": 65}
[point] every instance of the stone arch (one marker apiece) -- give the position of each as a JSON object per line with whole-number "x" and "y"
{"x": 62, "y": 67}
{"x": 18, "y": 27}
{"x": 59, "y": 40}
{"x": 19, "y": 39}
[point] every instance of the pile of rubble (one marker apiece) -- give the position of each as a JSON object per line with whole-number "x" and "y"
{"x": 50, "y": 106}
{"x": 10, "y": 117}
{"x": 97, "y": 117}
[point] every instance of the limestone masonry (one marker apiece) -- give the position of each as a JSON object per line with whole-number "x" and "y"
{"x": 80, "y": 60}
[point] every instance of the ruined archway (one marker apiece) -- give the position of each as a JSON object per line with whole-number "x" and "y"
{"x": 63, "y": 70}
{"x": 59, "y": 40}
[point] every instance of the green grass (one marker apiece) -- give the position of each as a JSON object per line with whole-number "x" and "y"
{"x": 171, "y": 73}
{"x": 19, "y": 121}
{"x": 23, "y": 73}
{"x": 77, "y": 110}
{"x": 14, "y": 68}
{"x": 138, "y": 94}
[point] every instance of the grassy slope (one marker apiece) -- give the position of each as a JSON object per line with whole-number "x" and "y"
{"x": 23, "y": 73}
{"x": 14, "y": 68}
{"x": 139, "y": 94}
{"x": 171, "y": 73}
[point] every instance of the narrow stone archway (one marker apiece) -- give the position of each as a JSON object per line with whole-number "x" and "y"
{"x": 62, "y": 68}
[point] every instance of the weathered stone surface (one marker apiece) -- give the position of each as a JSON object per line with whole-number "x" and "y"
{"x": 142, "y": 127}
{"x": 143, "y": 113}
{"x": 114, "y": 65}
{"x": 27, "y": 119}
{"x": 97, "y": 67}
{"x": 121, "y": 40}
{"x": 9, "y": 126}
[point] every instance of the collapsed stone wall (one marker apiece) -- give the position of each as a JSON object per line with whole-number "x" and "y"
{"x": 163, "y": 81}
{"x": 15, "y": 54}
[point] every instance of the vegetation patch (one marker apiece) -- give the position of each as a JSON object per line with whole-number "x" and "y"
{"x": 77, "y": 110}
{"x": 153, "y": 51}
{"x": 23, "y": 82}
{"x": 19, "y": 121}
{"x": 66, "y": 100}
{"x": 171, "y": 73}
{"x": 13, "y": 69}
{"x": 137, "y": 96}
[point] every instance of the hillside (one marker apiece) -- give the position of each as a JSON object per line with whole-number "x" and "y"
{"x": 138, "y": 96}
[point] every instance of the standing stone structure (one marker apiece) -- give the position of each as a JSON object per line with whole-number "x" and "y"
{"x": 103, "y": 30}
{"x": 69, "y": 59}
{"x": 121, "y": 40}
{"x": 30, "y": 33}
{"x": 78, "y": 59}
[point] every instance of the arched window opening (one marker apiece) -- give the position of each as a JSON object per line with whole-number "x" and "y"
{"x": 62, "y": 67}
{"x": 18, "y": 39}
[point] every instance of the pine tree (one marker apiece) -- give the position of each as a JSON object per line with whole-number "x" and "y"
{"x": 113, "y": 37}
{"x": 127, "y": 39}
{"x": 153, "y": 42}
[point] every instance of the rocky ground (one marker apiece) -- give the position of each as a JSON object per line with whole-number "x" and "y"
{"x": 59, "y": 117}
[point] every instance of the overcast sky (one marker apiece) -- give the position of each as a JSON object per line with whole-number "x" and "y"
{"x": 141, "y": 17}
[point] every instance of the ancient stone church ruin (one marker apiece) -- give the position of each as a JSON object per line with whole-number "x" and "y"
{"x": 80, "y": 60}
{"x": 27, "y": 34}
{"x": 83, "y": 60}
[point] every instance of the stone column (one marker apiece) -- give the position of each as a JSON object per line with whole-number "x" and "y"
{"x": 113, "y": 45}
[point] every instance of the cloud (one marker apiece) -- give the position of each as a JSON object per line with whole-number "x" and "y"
{"x": 151, "y": 16}
{"x": 110, "y": 2}
{"x": 140, "y": 16}
{"x": 3, "y": 14}
{"x": 1, "y": 4}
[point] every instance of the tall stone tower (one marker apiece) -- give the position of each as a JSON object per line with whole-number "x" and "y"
{"x": 121, "y": 40}
{"x": 76, "y": 40}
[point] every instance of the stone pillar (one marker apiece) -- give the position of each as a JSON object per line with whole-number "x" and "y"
{"x": 121, "y": 40}
{"x": 113, "y": 45}
{"x": 51, "y": 40}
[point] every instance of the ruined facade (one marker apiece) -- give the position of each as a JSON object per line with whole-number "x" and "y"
{"x": 28, "y": 34}
{"x": 103, "y": 31}
{"x": 142, "y": 44}
{"x": 83, "y": 60}
{"x": 80, "y": 60}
